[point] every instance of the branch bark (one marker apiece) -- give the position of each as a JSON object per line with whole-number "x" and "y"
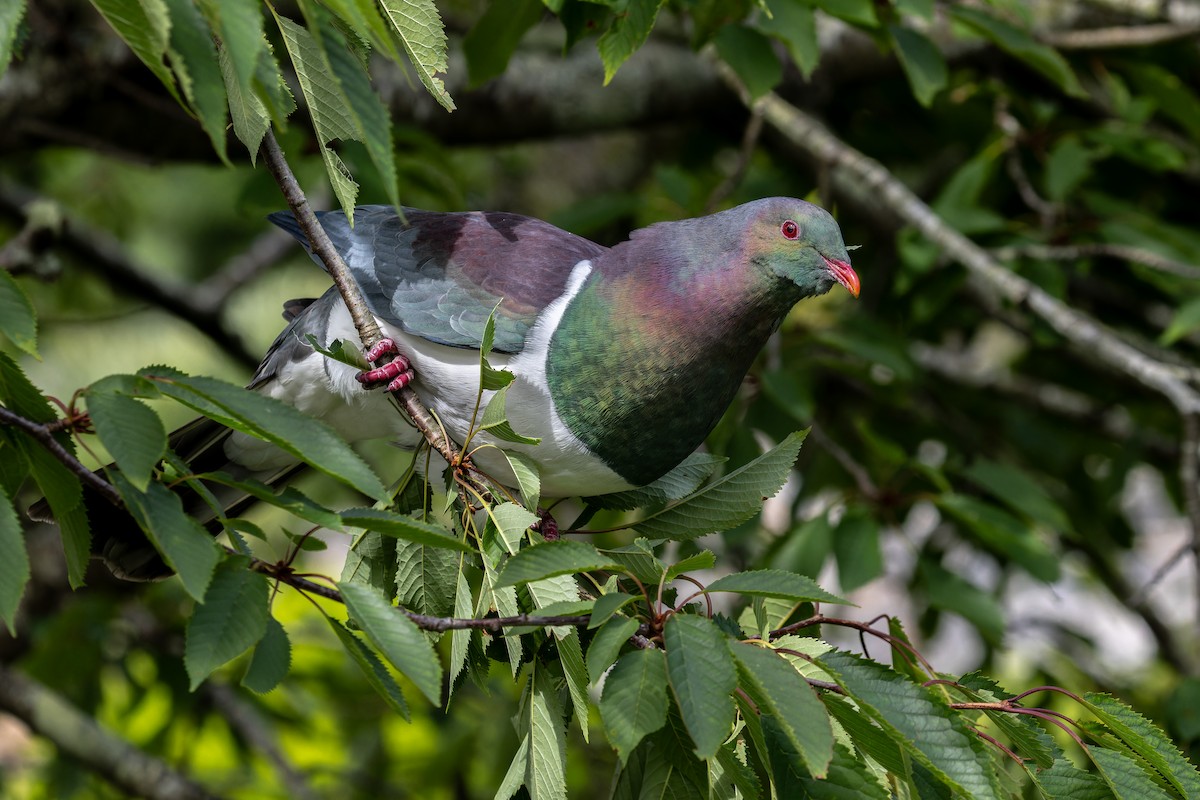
{"x": 364, "y": 321}
{"x": 78, "y": 735}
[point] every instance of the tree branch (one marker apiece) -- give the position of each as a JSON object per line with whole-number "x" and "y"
{"x": 1086, "y": 333}
{"x": 78, "y": 735}
{"x": 364, "y": 321}
{"x": 45, "y": 437}
{"x": 1074, "y": 252}
{"x": 97, "y": 251}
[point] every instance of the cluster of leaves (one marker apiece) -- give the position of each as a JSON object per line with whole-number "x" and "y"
{"x": 694, "y": 702}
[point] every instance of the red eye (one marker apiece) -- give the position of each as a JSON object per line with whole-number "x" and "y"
{"x": 790, "y": 229}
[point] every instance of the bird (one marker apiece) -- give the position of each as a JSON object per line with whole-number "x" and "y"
{"x": 625, "y": 357}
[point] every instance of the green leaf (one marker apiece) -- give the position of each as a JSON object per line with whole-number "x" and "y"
{"x": 271, "y": 660}
{"x": 1067, "y": 165}
{"x": 780, "y": 691}
{"x": 634, "y": 701}
{"x": 399, "y": 640}
{"x": 372, "y": 123}
{"x": 425, "y": 578}
{"x": 922, "y": 61}
{"x": 145, "y": 26}
{"x": 702, "y": 677}
{"x": 327, "y": 106}
{"x": 1021, "y": 45}
{"x": 504, "y": 600}
{"x": 376, "y": 673}
{"x": 867, "y": 737}
{"x": 1147, "y": 740}
{"x": 856, "y": 12}
{"x": 132, "y": 433}
{"x": 305, "y": 437}
{"x": 250, "y": 117}
{"x": 793, "y": 23}
{"x": 1185, "y": 320}
{"x": 916, "y": 718}
{"x": 1003, "y": 533}
{"x": 495, "y": 420}
{"x": 1028, "y": 739}
{"x": 400, "y": 526}
{"x": 420, "y": 30}
{"x": 728, "y": 501}
{"x": 546, "y": 770}
{"x": 528, "y": 475}
{"x": 1018, "y": 491}
{"x": 547, "y": 559}
{"x": 1172, "y": 95}
{"x": 492, "y": 39}
{"x": 240, "y": 28}
{"x": 608, "y": 604}
{"x": 1066, "y": 780}
{"x": 1125, "y": 776}
{"x": 230, "y": 620}
{"x": 184, "y": 544}
{"x": 705, "y": 559}
{"x": 513, "y": 522}
{"x": 629, "y": 29}
{"x": 606, "y": 645}
{"x": 856, "y": 546}
{"x": 638, "y": 559}
{"x": 288, "y": 499}
{"x": 194, "y": 59}
{"x": 570, "y": 654}
{"x": 17, "y": 318}
{"x": 949, "y": 592}
{"x": 675, "y": 485}
{"x": 776, "y": 583}
{"x": 751, "y": 56}
{"x": 14, "y": 563}
{"x": 10, "y": 20}
{"x": 460, "y": 640}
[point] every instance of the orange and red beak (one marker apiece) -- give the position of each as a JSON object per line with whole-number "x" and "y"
{"x": 843, "y": 273}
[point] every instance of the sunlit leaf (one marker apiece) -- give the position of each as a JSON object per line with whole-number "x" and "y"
{"x": 634, "y": 702}
{"x": 702, "y": 675}
{"x": 397, "y": 637}
{"x": 232, "y": 618}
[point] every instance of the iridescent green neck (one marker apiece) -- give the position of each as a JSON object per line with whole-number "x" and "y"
{"x": 641, "y": 369}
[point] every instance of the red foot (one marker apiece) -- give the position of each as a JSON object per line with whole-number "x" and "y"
{"x": 396, "y": 374}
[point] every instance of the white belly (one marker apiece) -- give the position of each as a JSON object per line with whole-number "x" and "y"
{"x": 447, "y": 381}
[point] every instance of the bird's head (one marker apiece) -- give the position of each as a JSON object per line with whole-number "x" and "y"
{"x": 799, "y": 242}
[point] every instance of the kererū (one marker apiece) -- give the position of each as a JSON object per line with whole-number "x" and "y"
{"x": 625, "y": 357}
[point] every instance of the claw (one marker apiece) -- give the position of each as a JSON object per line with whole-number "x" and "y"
{"x": 384, "y": 347}
{"x": 396, "y": 374}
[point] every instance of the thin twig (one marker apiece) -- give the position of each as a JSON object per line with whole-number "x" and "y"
{"x": 857, "y": 471}
{"x": 749, "y": 142}
{"x": 1122, "y": 252}
{"x": 79, "y": 735}
{"x": 43, "y": 435}
{"x": 1120, "y": 37}
{"x": 423, "y": 621}
{"x": 99, "y": 252}
{"x": 364, "y": 321}
{"x": 1189, "y": 479}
